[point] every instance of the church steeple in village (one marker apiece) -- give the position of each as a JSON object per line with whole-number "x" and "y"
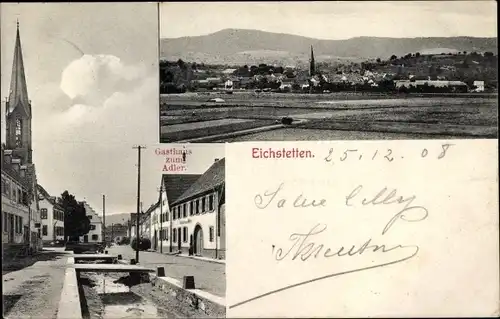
{"x": 18, "y": 109}
{"x": 312, "y": 66}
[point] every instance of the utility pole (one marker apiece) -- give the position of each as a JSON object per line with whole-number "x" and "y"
{"x": 161, "y": 217}
{"x": 104, "y": 219}
{"x": 139, "y": 148}
{"x": 112, "y": 239}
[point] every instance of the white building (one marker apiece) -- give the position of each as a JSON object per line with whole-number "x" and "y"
{"x": 192, "y": 219}
{"x": 52, "y": 216}
{"x": 95, "y": 234}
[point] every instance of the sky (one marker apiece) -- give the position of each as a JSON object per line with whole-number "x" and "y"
{"x": 334, "y": 20}
{"x": 92, "y": 77}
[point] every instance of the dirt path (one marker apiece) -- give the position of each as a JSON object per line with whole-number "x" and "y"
{"x": 35, "y": 291}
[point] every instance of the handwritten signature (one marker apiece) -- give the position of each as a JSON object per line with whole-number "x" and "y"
{"x": 304, "y": 247}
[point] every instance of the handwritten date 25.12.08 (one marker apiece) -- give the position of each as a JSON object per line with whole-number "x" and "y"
{"x": 388, "y": 154}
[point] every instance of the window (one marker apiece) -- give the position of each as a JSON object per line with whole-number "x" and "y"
{"x": 203, "y": 203}
{"x": 197, "y": 206}
{"x": 5, "y": 222}
{"x": 211, "y": 202}
{"x": 95, "y": 237}
{"x": 7, "y": 188}
{"x": 191, "y": 211}
{"x": 181, "y": 211}
{"x": 4, "y": 186}
{"x": 43, "y": 213}
{"x": 185, "y": 234}
{"x": 174, "y": 217}
{"x": 211, "y": 233}
{"x": 166, "y": 234}
{"x": 89, "y": 216}
{"x": 174, "y": 235}
{"x": 184, "y": 210}
{"x": 92, "y": 227}
{"x": 44, "y": 230}
{"x": 19, "y": 133}
{"x": 19, "y": 196}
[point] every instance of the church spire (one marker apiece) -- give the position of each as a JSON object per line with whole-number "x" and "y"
{"x": 18, "y": 96}
{"x": 312, "y": 67}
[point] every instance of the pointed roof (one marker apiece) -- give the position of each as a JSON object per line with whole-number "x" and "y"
{"x": 176, "y": 184}
{"x": 212, "y": 178}
{"x": 18, "y": 88}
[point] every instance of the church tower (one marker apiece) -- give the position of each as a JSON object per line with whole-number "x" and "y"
{"x": 18, "y": 109}
{"x": 312, "y": 66}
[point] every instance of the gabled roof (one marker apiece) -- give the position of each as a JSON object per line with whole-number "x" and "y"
{"x": 176, "y": 184}
{"x": 45, "y": 194}
{"x": 213, "y": 177}
{"x": 18, "y": 89}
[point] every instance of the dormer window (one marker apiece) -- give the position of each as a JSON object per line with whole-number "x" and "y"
{"x": 19, "y": 133}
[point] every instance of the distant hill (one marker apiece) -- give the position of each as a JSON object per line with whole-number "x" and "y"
{"x": 117, "y": 219}
{"x": 239, "y": 46}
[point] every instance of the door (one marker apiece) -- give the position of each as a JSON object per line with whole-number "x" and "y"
{"x": 155, "y": 241}
{"x": 198, "y": 240}
{"x": 86, "y": 238}
{"x": 179, "y": 237}
{"x": 12, "y": 228}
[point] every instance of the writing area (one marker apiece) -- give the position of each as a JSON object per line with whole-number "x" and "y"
{"x": 364, "y": 229}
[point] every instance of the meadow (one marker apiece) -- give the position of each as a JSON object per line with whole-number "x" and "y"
{"x": 421, "y": 116}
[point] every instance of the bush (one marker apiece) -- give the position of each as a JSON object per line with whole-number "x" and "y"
{"x": 144, "y": 244}
{"x": 124, "y": 241}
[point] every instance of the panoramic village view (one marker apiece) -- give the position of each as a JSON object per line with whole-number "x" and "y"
{"x": 119, "y": 239}
{"x": 246, "y": 84}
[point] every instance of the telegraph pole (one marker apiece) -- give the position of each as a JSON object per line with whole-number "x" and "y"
{"x": 104, "y": 220}
{"x": 161, "y": 217}
{"x": 139, "y": 148}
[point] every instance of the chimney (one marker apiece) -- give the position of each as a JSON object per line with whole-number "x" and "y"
{"x": 23, "y": 171}
{"x": 16, "y": 163}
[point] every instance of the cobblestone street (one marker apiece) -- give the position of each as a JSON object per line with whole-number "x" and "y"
{"x": 208, "y": 276}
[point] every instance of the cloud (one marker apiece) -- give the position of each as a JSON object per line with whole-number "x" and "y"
{"x": 92, "y": 79}
{"x": 88, "y": 142}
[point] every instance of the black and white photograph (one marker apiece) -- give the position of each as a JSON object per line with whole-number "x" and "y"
{"x": 84, "y": 234}
{"x": 272, "y": 71}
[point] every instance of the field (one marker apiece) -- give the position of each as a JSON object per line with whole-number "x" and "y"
{"x": 189, "y": 116}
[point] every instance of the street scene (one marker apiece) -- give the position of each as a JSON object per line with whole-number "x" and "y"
{"x": 249, "y": 79}
{"x": 88, "y": 238}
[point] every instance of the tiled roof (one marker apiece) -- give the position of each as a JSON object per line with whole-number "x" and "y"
{"x": 212, "y": 178}
{"x": 176, "y": 184}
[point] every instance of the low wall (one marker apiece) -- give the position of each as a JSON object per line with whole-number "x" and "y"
{"x": 69, "y": 304}
{"x": 206, "y": 303}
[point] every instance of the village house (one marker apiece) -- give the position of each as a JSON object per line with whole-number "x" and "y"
{"x": 198, "y": 215}
{"x": 190, "y": 216}
{"x": 52, "y": 216}
{"x": 96, "y": 231}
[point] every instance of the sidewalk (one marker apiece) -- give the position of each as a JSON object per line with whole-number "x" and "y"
{"x": 208, "y": 275}
{"x": 35, "y": 291}
{"x": 210, "y": 260}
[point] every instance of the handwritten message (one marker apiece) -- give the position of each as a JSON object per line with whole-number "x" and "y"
{"x": 363, "y": 232}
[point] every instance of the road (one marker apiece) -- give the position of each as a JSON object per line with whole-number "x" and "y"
{"x": 208, "y": 276}
{"x": 35, "y": 291}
